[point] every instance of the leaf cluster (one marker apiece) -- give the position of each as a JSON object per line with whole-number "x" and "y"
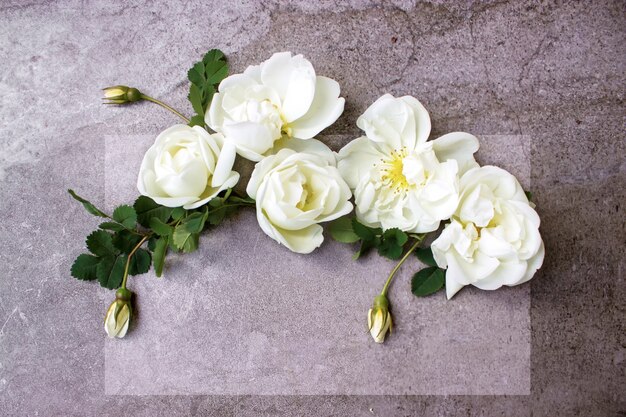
{"x": 205, "y": 76}
{"x": 389, "y": 243}
{"x": 164, "y": 228}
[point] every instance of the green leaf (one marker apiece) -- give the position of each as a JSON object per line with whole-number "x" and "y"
{"x": 390, "y": 250}
{"x": 427, "y": 281}
{"x": 160, "y": 251}
{"x": 115, "y": 227}
{"x": 88, "y": 206}
{"x": 215, "y": 71}
{"x": 194, "y": 223}
{"x": 126, "y": 241}
{"x": 195, "y": 97}
{"x": 341, "y": 230}
{"x": 110, "y": 271}
{"x": 146, "y": 208}
{"x": 396, "y": 235}
{"x": 366, "y": 246}
{"x": 184, "y": 240}
{"x": 100, "y": 243}
{"x": 364, "y": 232}
{"x": 241, "y": 200}
{"x": 213, "y": 55}
{"x": 195, "y": 77}
{"x": 197, "y": 120}
{"x": 205, "y": 76}
{"x": 84, "y": 267}
{"x": 126, "y": 216}
{"x": 425, "y": 255}
{"x": 178, "y": 213}
{"x": 140, "y": 262}
{"x": 160, "y": 228}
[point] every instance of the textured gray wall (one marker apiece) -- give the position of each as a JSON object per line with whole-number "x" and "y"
{"x": 552, "y": 72}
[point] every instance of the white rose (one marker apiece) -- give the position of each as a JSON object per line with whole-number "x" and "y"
{"x": 296, "y": 189}
{"x": 282, "y": 96}
{"x": 493, "y": 238}
{"x": 187, "y": 167}
{"x": 399, "y": 178}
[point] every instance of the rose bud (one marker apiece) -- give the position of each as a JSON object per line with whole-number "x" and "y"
{"x": 120, "y": 94}
{"x": 118, "y": 315}
{"x": 379, "y": 318}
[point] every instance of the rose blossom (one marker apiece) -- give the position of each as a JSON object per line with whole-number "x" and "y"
{"x": 401, "y": 180}
{"x": 295, "y": 189}
{"x": 493, "y": 238}
{"x": 187, "y": 167}
{"x": 280, "y": 97}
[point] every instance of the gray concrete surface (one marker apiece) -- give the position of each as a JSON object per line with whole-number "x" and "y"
{"x": 552, "y": 72}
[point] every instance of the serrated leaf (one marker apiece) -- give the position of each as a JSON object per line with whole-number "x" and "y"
{"x": 140, "y": 262}
{"x": 126, "y": 241}
{"x": 196, "y": 121}
{"x": 213, "y": 55}
{"x": 158, "y": 256}
{"x": 427, "y": 281}
{"x": 88, "y": 205}
{"x": 341, "y": 230}
{"x": 147, "y": 208}
{"x": 100, "y": 243}
{"x": 390, "y": 251}
{"x": 184, "y": 240}
{"x": 198, "y": 68}
{"x": 397, "y": 235}
{"x": 115, "y": 227}
{"x": 110, "y": 271}
{"x": 194, "y": 223}
{"x": 425, "y": 255}
{"x": 126, "y": 216}
{"x": 215, "y": 71}
{"x": 195, "y": 97}
{"x": 160, "y": 228}
{"x": 195, "y": 77}
{"x": 84, "y": 267}
{"x": 204, "y": 77}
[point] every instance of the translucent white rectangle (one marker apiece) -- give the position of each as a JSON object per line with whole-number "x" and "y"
{"x": 244, "y": 316}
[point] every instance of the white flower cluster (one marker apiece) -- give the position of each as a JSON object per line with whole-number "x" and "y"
{"x": 271, "y": 113}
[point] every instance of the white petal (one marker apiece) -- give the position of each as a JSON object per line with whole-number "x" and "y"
{"x": 357, "y": 159}
{"x": 325, "y": 109}
{"x": 300, "y": 90}
{"x": 311, "y": 146}
{"x": 252, "y": 140}
{"x": 385, "y": 120}
{"x": 422, "y": 121}
{"x": 224, "y": 164}
{"x": 452, "y": 287}
{"x": 460, "y": 146}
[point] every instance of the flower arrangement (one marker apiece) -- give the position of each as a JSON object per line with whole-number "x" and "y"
{"x": 388, "y": 190}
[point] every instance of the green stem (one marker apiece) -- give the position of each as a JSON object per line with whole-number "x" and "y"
{"x": 399, "y": 264}
{"x": 130, "y": 255}
{"x": 165, "y": 106}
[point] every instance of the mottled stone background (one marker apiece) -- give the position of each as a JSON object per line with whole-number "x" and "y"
{"x": 552, "y": 72}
